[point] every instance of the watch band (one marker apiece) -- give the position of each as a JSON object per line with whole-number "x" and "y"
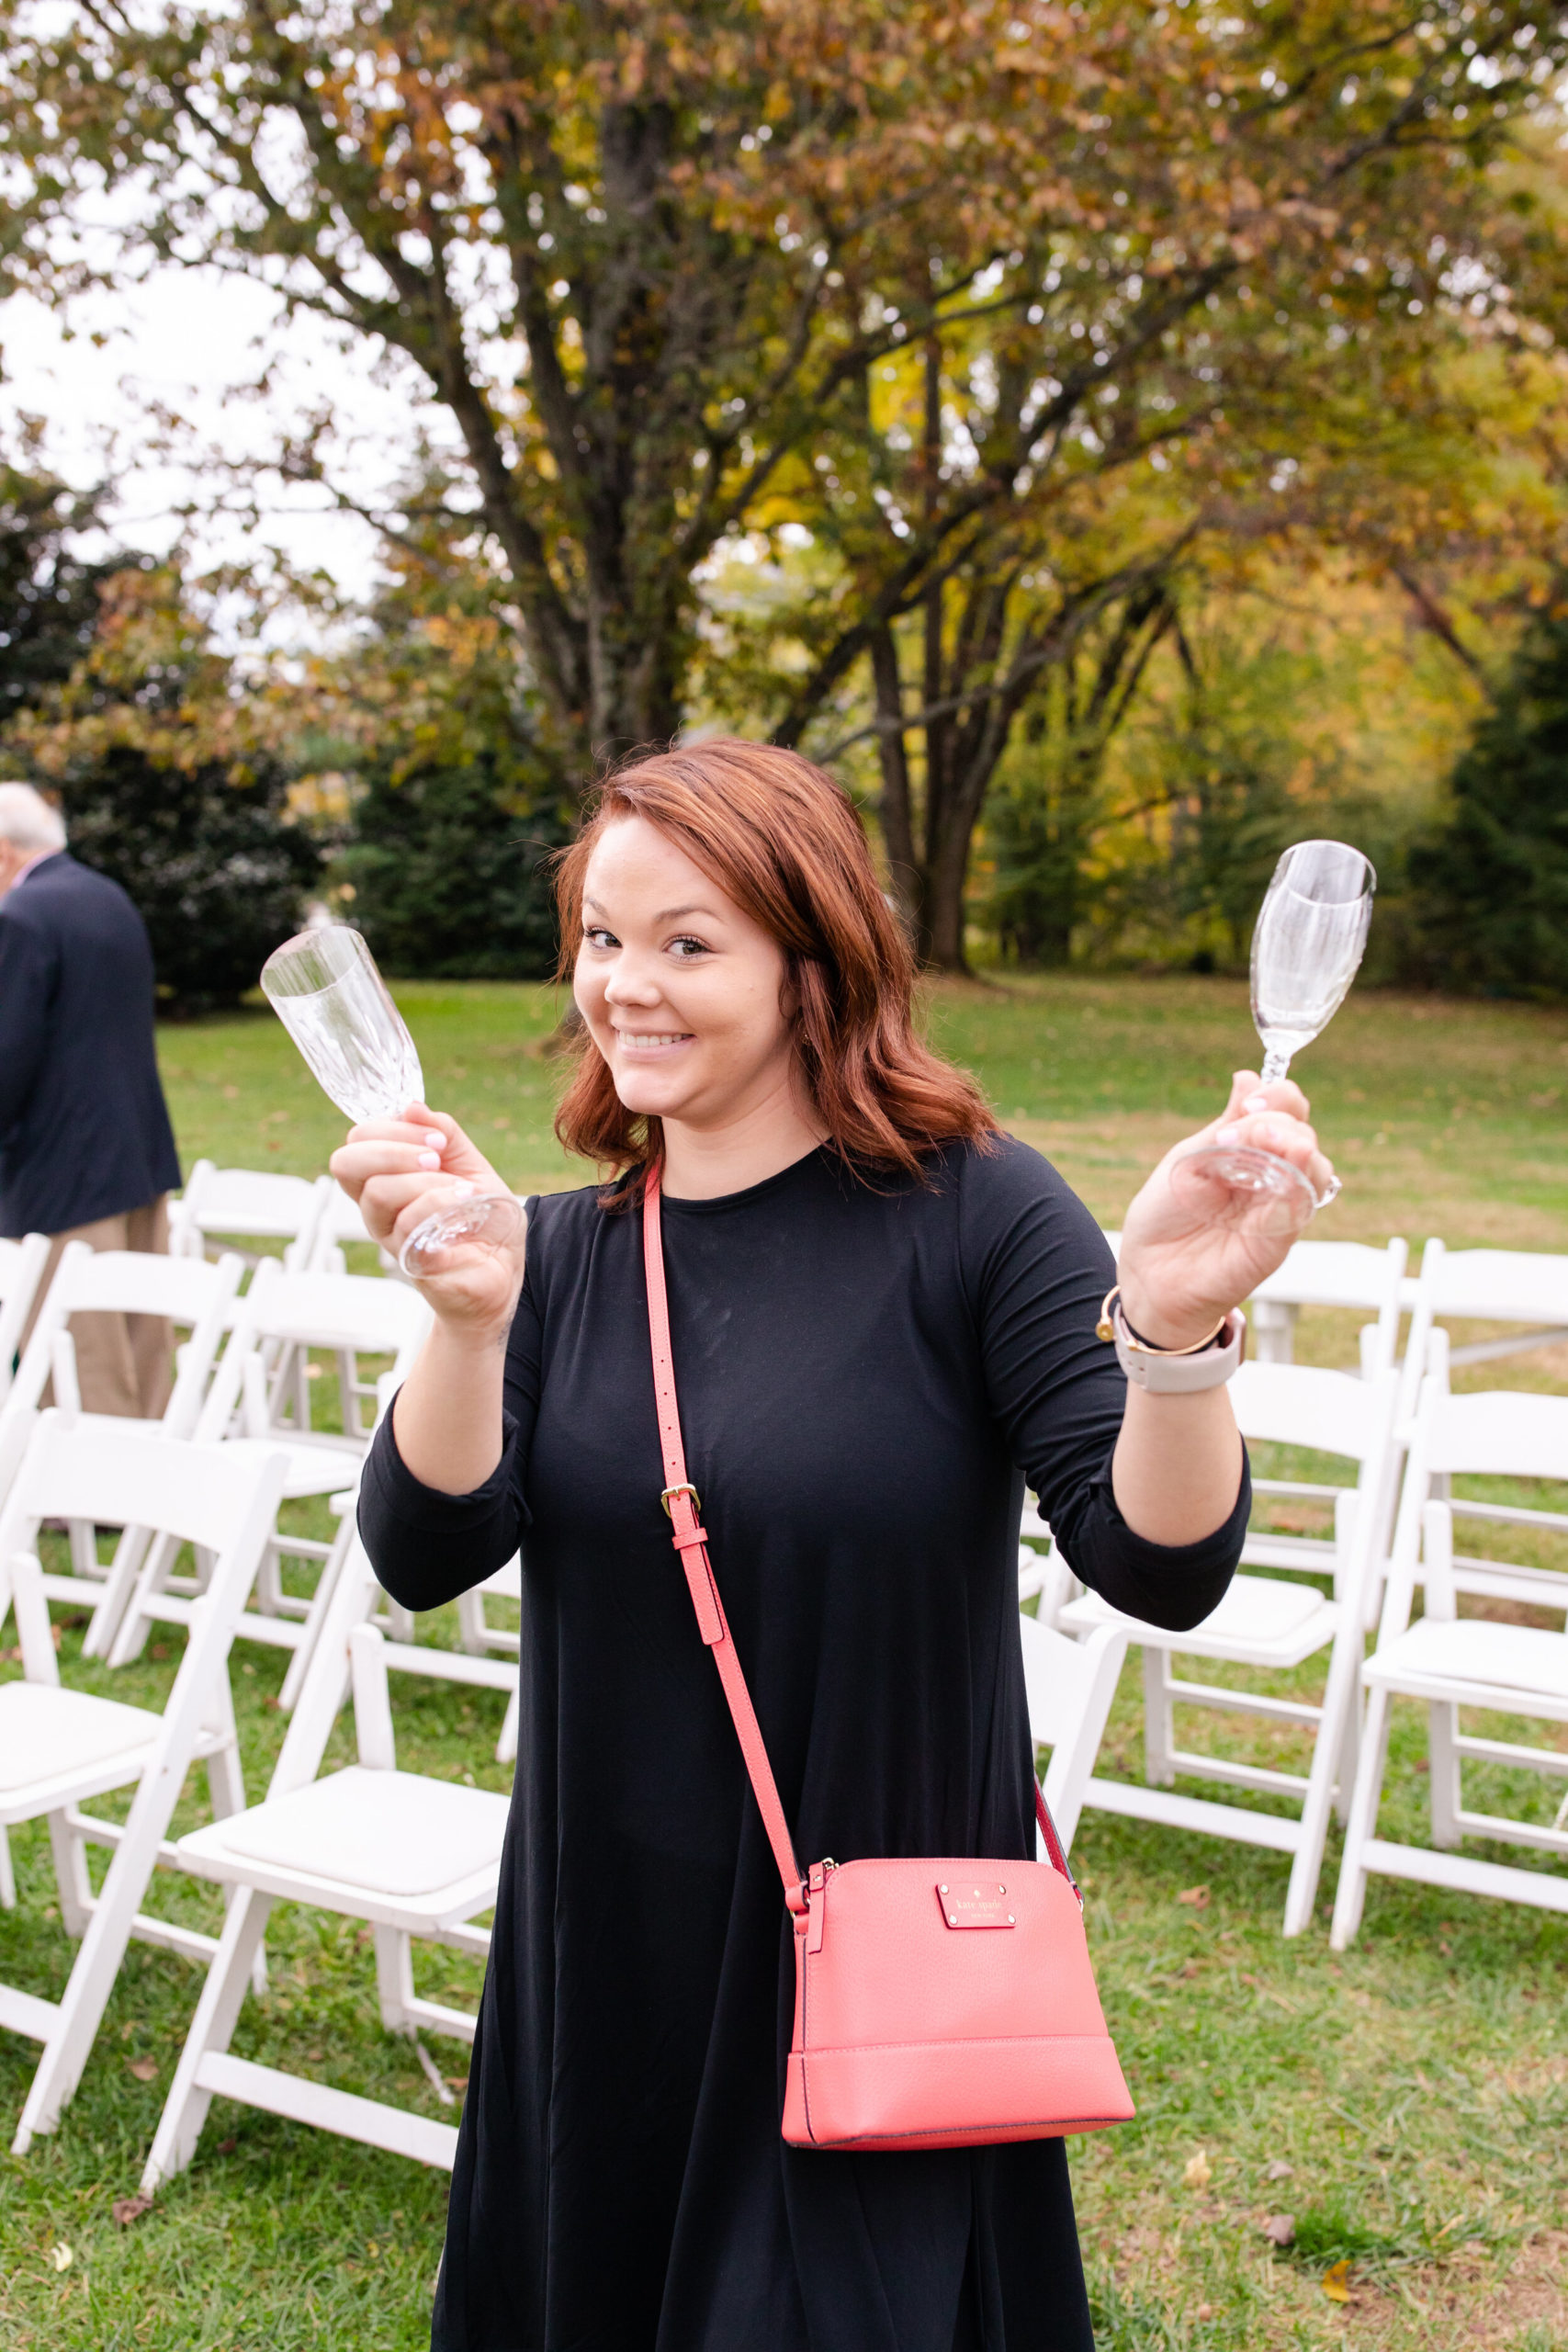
{"x": 1163, "y": 1372}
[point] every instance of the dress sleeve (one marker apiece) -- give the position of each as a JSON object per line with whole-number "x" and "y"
{"x": 425, "y": 1546}
{"x": 1036, "y": 1268}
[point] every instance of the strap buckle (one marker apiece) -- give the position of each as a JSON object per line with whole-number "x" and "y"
{"x": 686, "y": 1488}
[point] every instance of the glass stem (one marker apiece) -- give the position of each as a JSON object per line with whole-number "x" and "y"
{"x": 1274, "y": 1065}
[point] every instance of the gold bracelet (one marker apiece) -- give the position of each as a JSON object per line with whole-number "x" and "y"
{"x": 1106, "y": 1329}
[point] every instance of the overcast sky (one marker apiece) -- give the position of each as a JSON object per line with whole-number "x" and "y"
{"x": 185, "y": 340}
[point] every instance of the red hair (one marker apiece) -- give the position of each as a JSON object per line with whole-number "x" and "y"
{"x": 781, "y": 840}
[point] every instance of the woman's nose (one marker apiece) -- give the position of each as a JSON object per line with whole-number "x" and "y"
{"x": 631, "y": 983}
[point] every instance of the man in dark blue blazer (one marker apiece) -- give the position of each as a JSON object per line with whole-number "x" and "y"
{"x": 87, "y": 1150}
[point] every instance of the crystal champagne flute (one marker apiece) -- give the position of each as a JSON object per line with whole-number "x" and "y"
{"x": 325, "y": 988}
{"x": 1307, "y": 949}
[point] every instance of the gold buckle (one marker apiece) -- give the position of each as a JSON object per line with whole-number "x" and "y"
{"x": 688, "y": 1489}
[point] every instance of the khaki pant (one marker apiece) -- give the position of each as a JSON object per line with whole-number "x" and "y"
{"x": 124, "y": 1363}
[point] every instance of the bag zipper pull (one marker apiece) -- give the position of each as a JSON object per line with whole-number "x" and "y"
{"x": 817, "y": 1904}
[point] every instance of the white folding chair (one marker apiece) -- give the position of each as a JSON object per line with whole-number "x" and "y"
{"x": 190, "y": 1295}
{"x": 337, "y": 1227}
{"x": 59, "y": 1747}
{"x": 414, "y": 1857}
{"x": 260, "y": 1397}
{"x": 21, "y": 1267}
{"x": 1333, "y": 1273}
{"x": 1277, "y": 1621}
{"x": 246, "y": 1205}
{"x": 1070, "y": 1685}
{"x": 1526, "y": 1287}
{"x": 1452, "y": 1662}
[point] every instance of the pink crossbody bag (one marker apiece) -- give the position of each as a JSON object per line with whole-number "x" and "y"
{"x": 940, "y": 2003}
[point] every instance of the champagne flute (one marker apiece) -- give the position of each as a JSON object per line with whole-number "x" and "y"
{"x": 325, "y": 988}
{"x": 1307, "y": 949}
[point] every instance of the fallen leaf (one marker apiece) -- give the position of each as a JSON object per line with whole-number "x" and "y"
{"x": 1196, "y": 2173}
{"x": 126, "y": 2209}
{"x": 1192, "y": 1968}
{"x": 457, "y": 2082}
{"x": 314, "y": 2057}
{"x": 1280, "y": 2229}
{"x": 227, "y": 2147}
{"x": 1337, "y": 2282}
{"x": 1196, "y": 1897}
{"x": 62, "y": 2256}
{"x": 144, "y": 2069}
{"x": 1205, "y": 2311}
{"x": 1278, "y": 2170}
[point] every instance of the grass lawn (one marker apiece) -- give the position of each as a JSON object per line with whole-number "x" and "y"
{"x": 1407, "y": 2104}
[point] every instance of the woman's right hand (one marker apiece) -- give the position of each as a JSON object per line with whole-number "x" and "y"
{"x": 402, "y": 1170}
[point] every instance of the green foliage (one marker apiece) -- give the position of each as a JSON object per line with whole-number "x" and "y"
{"x": 49, "y": 593}
{"x": 449, "y": 875}
{"x": 110, "y": 695}
{"x": 206, "y": 854}
{"x": 1492, "y": 885}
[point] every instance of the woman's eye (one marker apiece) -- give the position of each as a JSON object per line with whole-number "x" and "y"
{"x": 686, "y": 949}
{"x": 597, "y": 936}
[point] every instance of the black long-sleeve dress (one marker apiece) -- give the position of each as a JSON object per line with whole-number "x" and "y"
{"x": 866, "y": 1375}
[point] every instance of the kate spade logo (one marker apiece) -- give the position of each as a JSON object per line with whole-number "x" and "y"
{"x": 965, "y": 1903}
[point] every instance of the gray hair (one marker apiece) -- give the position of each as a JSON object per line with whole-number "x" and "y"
{"x": 28, "y": 821}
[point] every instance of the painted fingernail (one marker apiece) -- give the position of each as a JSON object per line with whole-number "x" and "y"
{"x": 1256, "y": 1102}
{"x": 430, "y": 1160}
{"x": 460, "y": 1191}
{"x": 1228, "y": 1133}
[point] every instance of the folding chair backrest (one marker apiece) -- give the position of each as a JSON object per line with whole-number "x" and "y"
{"x": 338, "y": 1224}
{"x": 1500, "y": 1434}
{"x": 252, "y": 1204}
{"x": 129, "y": 1477}
{"x": 1344, "y": 1274}
{"x": 353, "y": 1314}
{"x": 185, "y": 1291}
{"x": 21, "y": 1267}
{"x": 1339, "y": 1273}
{"x": 1327, "y": 1412}
{"x": 1521, "y": 1287}
{"x": 1503, "y": 1433}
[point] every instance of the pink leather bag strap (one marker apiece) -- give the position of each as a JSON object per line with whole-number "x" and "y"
{"x": 690, "y": 1538}
{"x": 680, "y": 1500}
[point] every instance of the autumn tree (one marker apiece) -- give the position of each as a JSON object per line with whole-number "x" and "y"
{"x": 430, "y": 715}
{"x": 1492, "y": 880}
{"x": 1261, "y": 339}
{"x": 174, "y": 783}
{"x": 655, "y": 261}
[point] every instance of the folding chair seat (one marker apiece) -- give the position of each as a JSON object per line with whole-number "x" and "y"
{"x": 259, "y": 1399}
{"x": 244, "y": 1203}
{"x": 1528, "y": 1288}
{"x": 61, "y": 1748}
{"x": 1334, "y": 1273}
{"x": 1070, "y": 1686}
{"x": 190, "y": 1295}
{"x": 1272, "y": 1623}
{"x": 414, "y": 1858}
{"x": 21, "y": 1270}
{"x": 1449, "y": 1662}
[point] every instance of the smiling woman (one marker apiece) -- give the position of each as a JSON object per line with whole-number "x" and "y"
{"x": 747, "y": 921}
{"x": 883, "y": 1314}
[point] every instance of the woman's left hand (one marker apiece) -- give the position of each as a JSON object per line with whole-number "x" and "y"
{"x": 1187, "y": 1260}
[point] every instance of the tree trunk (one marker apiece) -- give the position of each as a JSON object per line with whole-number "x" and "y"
{"x": 897, "y": 821}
